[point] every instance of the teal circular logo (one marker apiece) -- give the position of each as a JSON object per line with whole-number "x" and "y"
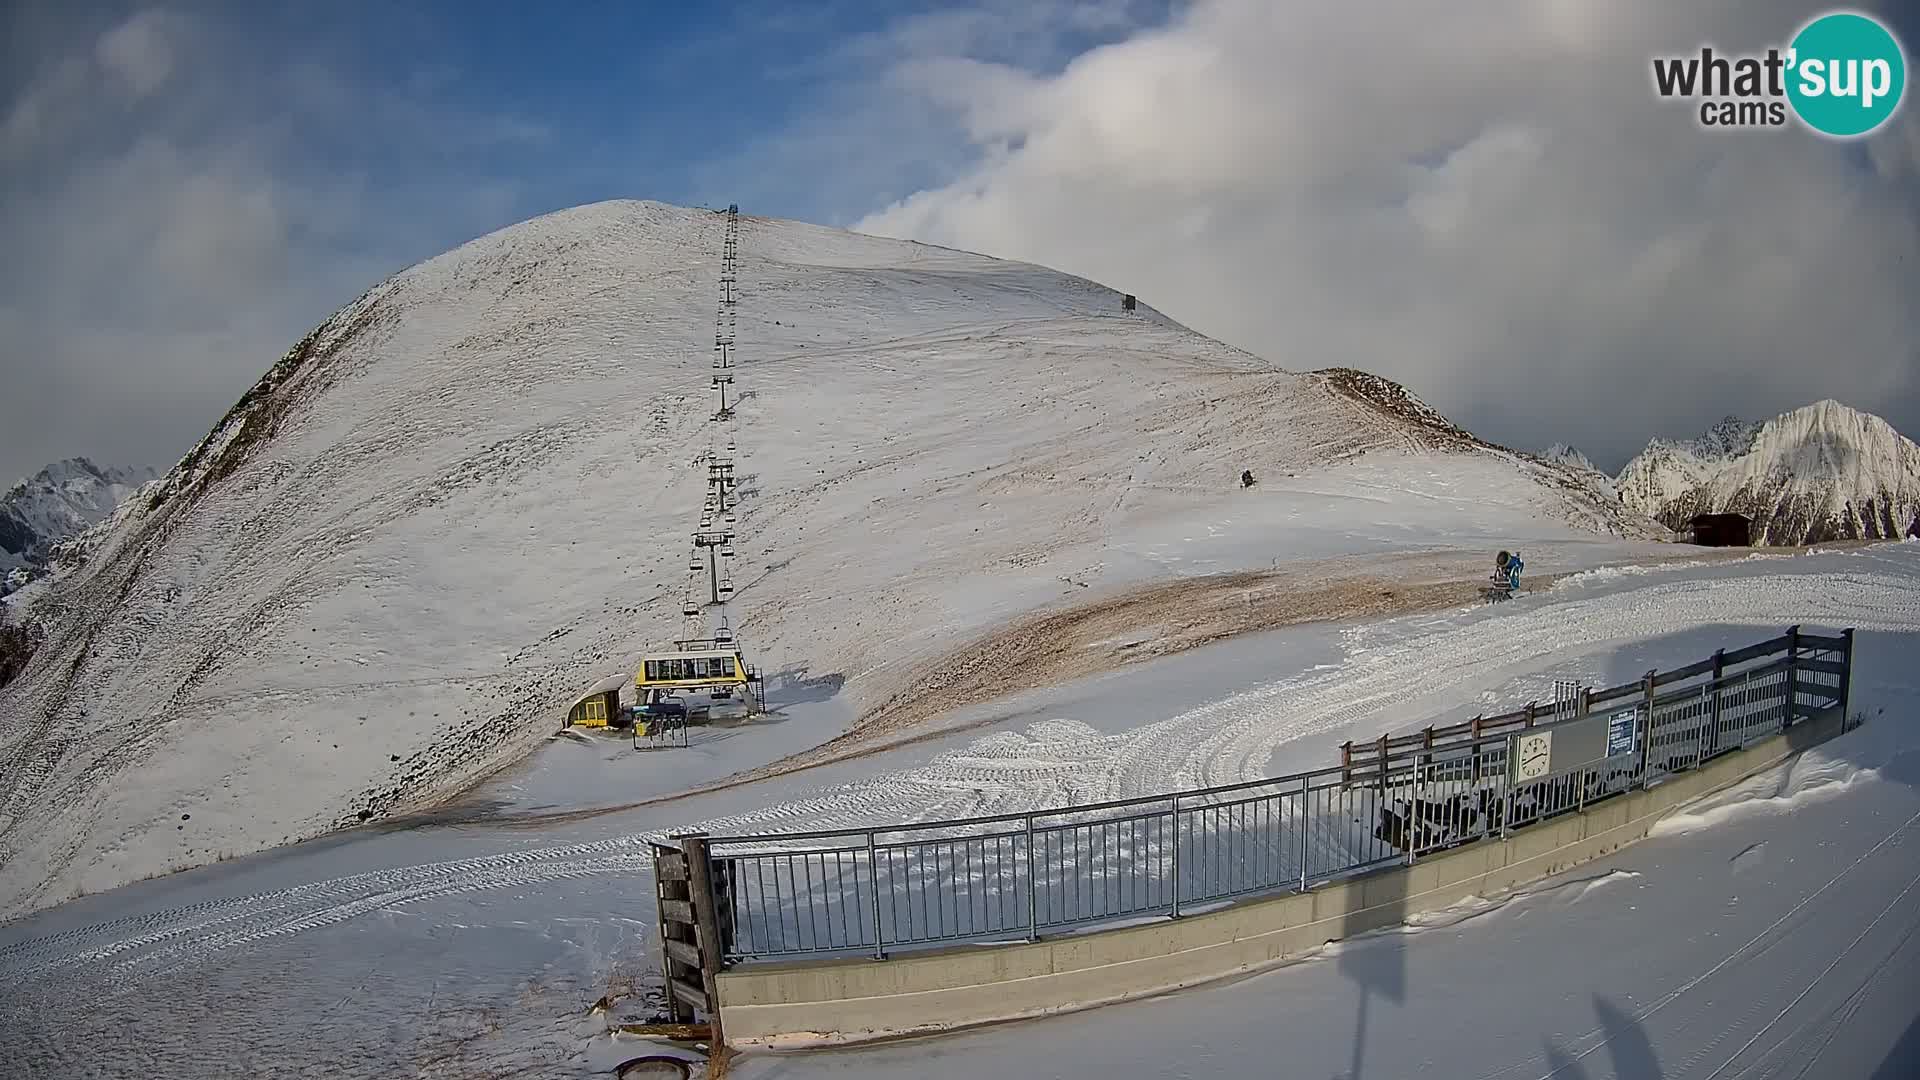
{"x": 1846, "y": 74}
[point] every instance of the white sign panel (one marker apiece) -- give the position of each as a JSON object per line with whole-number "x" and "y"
{"x": 1532, "y": 755}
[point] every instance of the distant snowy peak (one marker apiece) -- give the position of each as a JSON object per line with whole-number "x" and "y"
{"x": 1730, "y": 438}
{"x": 1566, "y": 455}
{"x": 57, "y": 504}
{"x": 1818, "y": 473}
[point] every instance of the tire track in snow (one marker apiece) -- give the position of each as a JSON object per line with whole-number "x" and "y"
{"x": 210, "y": 926}
{"x": 1232, "y": 740}
{"x": 1053, "y": 762}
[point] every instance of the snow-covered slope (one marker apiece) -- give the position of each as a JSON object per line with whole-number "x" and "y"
{"x": 59, "y": 503}
{"x": 1822, "y": 472}
{"x": 468, "y": 495}
{"x": 1602, "y": 488}
{"x": 505, "y": 935}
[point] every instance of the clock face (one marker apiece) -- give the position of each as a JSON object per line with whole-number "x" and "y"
{"x": 1533, "y": 755}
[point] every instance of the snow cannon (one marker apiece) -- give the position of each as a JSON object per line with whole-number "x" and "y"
{"x": 1505, "y": 579}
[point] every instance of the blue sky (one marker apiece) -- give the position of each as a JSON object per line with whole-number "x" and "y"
{"x": 1464, "y": 204}
{"x": 562, "y": 106}
{"x": 199, "y": 182}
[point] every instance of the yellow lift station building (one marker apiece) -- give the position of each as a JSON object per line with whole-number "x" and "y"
{"x": 692, "y": 669}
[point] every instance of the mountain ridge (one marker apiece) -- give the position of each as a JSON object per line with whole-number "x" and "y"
{"x": 468, "y": 494}
{"x": 1825, "y": 471}
{"x": 56, "y": 504}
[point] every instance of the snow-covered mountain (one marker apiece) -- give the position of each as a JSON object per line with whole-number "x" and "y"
{"x": 1568, "y": 456}
{"x": 468, "y": 495}
{"x": 1818, "y": 473}
{"x": 1577, "y": 465}
{"x": 57, "y": 504}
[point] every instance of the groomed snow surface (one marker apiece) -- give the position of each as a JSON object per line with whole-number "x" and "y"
{"x": 1768, "y": 932}
{"x": 469, "y": 495}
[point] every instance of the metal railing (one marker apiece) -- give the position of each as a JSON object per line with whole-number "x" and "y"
{"x": 1013, "y": 877}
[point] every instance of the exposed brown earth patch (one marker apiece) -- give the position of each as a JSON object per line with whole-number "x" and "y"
{"x": 1106, "y": 633}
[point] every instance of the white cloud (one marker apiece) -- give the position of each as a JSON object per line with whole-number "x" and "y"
{"x": 1489, "y": 205}
{"x": 182, "y": 202}
{"x": 139, "y": 53}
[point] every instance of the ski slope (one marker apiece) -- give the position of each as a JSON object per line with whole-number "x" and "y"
{"x": 475, "y": 948}
{"x": 467, "y": 496}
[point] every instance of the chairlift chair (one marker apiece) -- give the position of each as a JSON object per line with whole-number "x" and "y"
{"x": 689, "y": 609}
{"x": 726, "y": 589}
{"x": 726, "y": 553}
{"x": 694, "y": 563}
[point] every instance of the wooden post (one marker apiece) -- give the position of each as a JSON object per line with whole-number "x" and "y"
{"x": 1529, "y": 720}
{"x": 670, "y": 894}
{"x": 1383, "y": 768}
{"x": 707, "y": 925}
{"x": 1476, "y": 749}
{"x": 1346, "y": 764}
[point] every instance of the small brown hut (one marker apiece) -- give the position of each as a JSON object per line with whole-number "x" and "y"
{"x": 1723, "y": 530}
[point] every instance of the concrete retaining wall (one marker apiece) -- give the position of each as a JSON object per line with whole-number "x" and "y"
{"x": 819, "y": 1002}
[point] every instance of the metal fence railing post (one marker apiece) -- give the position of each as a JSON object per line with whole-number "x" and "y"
{"x": 1846, "y": 674}
{"x": 1793, "y": 675}
{"x": 1702, "y": 725}
{"x": 1746, "y": 710}
{"x": 1719, "y": 672}
{"x": 1646, "y": 744}
{"x": 1033, "y": 892}
{"x": 1454, "y": 793}
{"x": 1508, "y": 787}
{"x": 1306, "y": 822}
{"x": 1175, "y": 913}
{"x": 873, "y": 881}
{"x": 1413, "y": 808}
